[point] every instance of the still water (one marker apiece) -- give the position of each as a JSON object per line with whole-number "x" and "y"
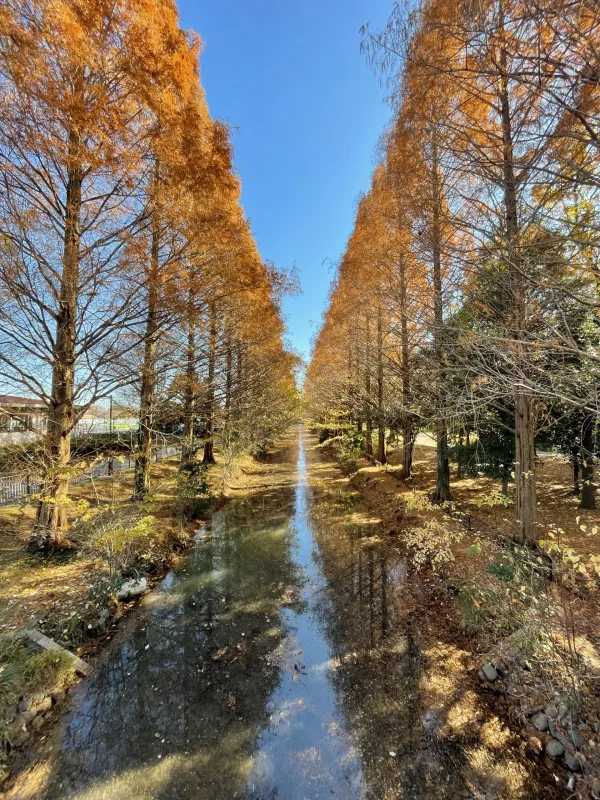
{"x": 269, "y": 665}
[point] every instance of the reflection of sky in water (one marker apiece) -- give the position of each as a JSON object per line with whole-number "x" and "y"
{"x": 304, "y": 750}
{"x": 262, "y": 669}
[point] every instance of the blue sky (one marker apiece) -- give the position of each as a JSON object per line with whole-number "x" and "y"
{"x": 307, "y": 111}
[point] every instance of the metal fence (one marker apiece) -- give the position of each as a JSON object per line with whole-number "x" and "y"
{"x": 15, "y": 487}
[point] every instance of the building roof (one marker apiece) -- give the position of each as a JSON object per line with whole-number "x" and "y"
{"x": 9, "y": 400}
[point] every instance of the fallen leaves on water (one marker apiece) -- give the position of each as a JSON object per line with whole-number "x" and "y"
{"x": 220, "y": 654}
{"x": 286, "y": 653}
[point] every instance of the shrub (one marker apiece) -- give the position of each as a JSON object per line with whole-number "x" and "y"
{"x": 416, "y": 501}
{"x": 119, "y": 536}
{"x": 348, "y": 448}
{"x": 193, "y": 495}
{"x": 431, "y": 544}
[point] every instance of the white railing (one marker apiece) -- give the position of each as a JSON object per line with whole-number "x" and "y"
{"x": 15, "y": 487}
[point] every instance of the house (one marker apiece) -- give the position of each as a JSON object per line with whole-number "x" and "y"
{"x": 22, "y": 419}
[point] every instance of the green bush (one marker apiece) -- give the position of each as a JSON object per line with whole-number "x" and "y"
{"x": 348, "y": 448}
{"x": 193, "y": 495}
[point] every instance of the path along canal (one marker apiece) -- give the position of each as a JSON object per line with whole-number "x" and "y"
{"x": 275, "y": 662}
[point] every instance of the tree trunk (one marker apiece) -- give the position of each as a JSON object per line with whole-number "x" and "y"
{"x": 51, "y": 517}
{"x": 356, "y": 389}
{"x": 381, "y": 455}
{"x": 505, "y": 476}
{"x": 442, "y": 489}
{"x": 143, "y": 460}
{"x": 459, "y": 460}
{"x": 524, "y": 405}
{"x": 588, "y": 489}
{"x": 408, "y": 437}
{"x": 351, "y": 388}
{"x": 525, "y": 470}
{"x": 228, "y": 381}
{"x": 209, "y": 457}
{"x": 190, "y": 379}
{"x": 368, "y": 415}
{"x": 239, "y": 382}
{"x": 575, "y": 461}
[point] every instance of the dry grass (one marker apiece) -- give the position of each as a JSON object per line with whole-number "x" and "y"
{"x": 32, "y": 586}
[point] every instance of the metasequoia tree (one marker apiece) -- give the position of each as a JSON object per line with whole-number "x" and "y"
{"x": 492, "y": 162}
{"x": 499, "y": 133}
{"x": 213, "y": 218}
{"x": 173, "y": 101}
{"x": 406, "y": 282}
{"x": 71, "y": 142}
{"x": 225, "y": 325}
{"x": 424, "y": 113}
{"x": 117, "y": 204}
{"x": 357, "y": 328}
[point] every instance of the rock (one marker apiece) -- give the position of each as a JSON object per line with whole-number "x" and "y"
{"x": 57, "y": 696}
{"x": 595, "y": 788}
{"x": 25, "y": 703}
{"x": 583, "y": 726}
{"x": 535, "y": 745}
{"x": 556, "y": 734}
{"x": 490, "y": 672}
{"x": 571, "y": 784}
{"x": 44, "y": 705}
{"x": 577, "y": 739}
{"x": 23, "y": 719}
{"x": 500, "y": 668}
{"x": 131, "y": 589}
{"x": 554, "y": 749}
{"x": 562, "y": 712}
{"x": 481, "y": 676}
{"x": 552, "y": 711}
{"x": 541, "y": 722}
{"x": 19, "y": 737}
{"x": 572, "y": 762}
{"x": 531, "y": 712}
{"x": 37, "y": 722}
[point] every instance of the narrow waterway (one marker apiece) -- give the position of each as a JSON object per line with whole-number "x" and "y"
{"x": 269, "y": 665}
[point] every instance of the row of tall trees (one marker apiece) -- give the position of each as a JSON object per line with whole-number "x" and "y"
{"x": 467, "y": 299}
{"x": 126, "y": 262}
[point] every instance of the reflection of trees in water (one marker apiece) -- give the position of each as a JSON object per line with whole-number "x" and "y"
{"x": 164, "y": 691}
{"x": 378, "y": 680}
{"x": 379, "y": 670}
